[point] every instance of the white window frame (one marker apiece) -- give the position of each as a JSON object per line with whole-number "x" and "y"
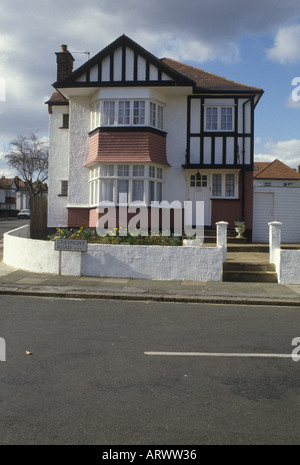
{"x": 223, "y": 186}
{"x": 129, "y": 173}
{"x": 132, "y": 113}
{"x": 218, "y": 109}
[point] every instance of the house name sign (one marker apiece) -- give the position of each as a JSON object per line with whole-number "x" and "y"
{"x": 70, "y": 245}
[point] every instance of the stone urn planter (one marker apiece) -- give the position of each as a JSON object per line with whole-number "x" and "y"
{"x": 240, "y": 228}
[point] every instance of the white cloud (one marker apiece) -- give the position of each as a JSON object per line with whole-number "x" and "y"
{"x": 286, "y": 49}
{"x": 291, "y": 103}
{"x": 287, "y": 151}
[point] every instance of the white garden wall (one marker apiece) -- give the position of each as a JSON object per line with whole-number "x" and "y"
{"x": 289, "y": 267}
{"x": 29, "y": 254}
{"x": 118, "y": 261}
{"x": 153, "y": 262}
{"x": 287, "y": 262}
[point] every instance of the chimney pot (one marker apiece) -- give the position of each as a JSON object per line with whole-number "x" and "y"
{"x": 64, "y": 48}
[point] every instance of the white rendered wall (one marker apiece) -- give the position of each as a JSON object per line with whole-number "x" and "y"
{"x": 154, "y": 262}
{"x": 287, "y": 262}
{"x": 119, "y": 261}
{"x": 79, "y": 147}
{"x": 29, "y": 254}
{"x": 175, "y": 120}
{"x": 58, "y": 168}
{"x": 289, "y": 267}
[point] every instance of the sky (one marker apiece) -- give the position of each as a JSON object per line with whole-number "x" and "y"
{"x": 255, "y": 43}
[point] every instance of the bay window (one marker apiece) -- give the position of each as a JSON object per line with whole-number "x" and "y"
{"x": 127, "y": 113}
{"x": 139, "y": 112}
{"x": 108, "y": 114}
{"x": 124, "y": 183}
{"x": 124, "y": 112}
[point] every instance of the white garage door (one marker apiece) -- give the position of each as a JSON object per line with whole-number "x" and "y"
{"x": 281, "y": 204}
{"x": 263, "y": 213}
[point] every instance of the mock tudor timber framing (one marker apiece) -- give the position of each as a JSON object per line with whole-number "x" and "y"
{"x": 123, "y": 42}
{"x": 235, "y": 134}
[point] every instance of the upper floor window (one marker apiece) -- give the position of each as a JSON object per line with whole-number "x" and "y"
{"x": 219, "y": 118}
{"x": 139, "y": 112}
{"x": 127, "y": 113}
{"x": 108, "y": 113}
{"x": 124, "y": 112}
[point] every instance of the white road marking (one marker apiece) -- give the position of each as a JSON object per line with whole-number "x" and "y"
{"x": 216, "y": 354}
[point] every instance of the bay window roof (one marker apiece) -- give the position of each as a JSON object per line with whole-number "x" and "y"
{"x": 143, "y": 145}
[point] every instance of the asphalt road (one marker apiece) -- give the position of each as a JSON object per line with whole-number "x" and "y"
{"x": 9, "y": 224}
{"x": 87, "y": 379}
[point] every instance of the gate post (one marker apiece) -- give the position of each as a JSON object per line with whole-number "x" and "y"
{"x": 274, "y": 239}
{"x": 222, "y": 237}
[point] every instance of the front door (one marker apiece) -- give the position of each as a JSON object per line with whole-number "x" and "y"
{"x": 199, "y": 190}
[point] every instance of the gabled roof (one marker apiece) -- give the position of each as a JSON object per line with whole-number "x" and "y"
{"x": 207, "y": 81}
{"x": 82, "y": 77}
{"x": 6, "y": 183}
{"x": 274, "y": 170}
{"x": 126, "y": 63}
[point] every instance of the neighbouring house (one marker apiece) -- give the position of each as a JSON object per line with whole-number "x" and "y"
{"x": 8, "y": 189}
{"x": 15, "y": 195}
{"x": 129, "y": 124}
{"x": 276, "y": 198}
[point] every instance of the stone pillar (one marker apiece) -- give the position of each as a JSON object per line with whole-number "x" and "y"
{"x": 222, "y": 237}
{"x": 274, "y": 239}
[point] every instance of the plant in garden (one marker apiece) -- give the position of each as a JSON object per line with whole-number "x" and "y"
{"x": 114, "y": 236}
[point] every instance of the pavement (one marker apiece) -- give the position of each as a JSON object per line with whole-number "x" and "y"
{"x": 22, "y": 283}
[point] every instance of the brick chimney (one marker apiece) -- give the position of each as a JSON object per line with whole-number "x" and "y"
{"x": 298, "y": 168}
{"x": 64, "y": 62}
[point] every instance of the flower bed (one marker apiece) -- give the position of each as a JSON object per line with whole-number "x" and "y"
{"x": 115, "y": 236}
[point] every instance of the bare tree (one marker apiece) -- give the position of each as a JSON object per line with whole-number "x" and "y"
{"x": 29, "y": 156}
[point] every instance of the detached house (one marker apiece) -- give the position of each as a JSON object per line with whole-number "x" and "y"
{"x": 129, "y": 124}
{"x": 8, "y": 188}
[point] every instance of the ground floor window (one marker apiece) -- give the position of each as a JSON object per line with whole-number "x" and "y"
{"x": 198, "y": 180}
{"x": 224, "y": 185}
{"x": 125, "y": 183}
{"x": 220, "y": 184}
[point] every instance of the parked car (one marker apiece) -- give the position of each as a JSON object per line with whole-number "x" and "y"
{"x": 23, "y": 214}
